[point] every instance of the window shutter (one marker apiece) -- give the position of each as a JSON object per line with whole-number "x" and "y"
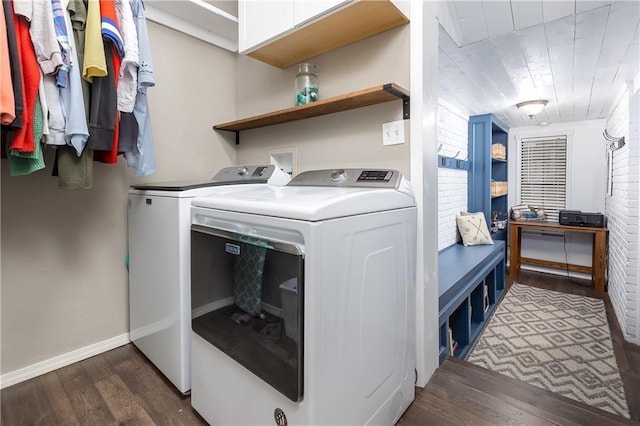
{"x": 543, "y": 174}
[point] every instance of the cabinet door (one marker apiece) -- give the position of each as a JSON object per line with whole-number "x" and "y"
{"x": 306, "y": 10}
{"x": 260, "y": 21}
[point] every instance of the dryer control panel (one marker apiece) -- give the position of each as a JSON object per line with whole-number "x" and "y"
{"x": 375, "y": 175}
{"x": 348, "y": 178}
{"x": 252, "y": 174}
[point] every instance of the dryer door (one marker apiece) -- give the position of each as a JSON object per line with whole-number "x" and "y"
{"x": 247, "y": 300}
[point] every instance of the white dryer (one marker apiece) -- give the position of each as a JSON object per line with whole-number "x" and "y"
{"x": 303, "y": 301}
{"x": 159, "y": 264}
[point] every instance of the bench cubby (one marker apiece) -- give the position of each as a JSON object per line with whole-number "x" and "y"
{"x": 471, "y": 283}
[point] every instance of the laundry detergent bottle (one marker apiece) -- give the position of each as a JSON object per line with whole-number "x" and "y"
{"x": 306, "y": 84}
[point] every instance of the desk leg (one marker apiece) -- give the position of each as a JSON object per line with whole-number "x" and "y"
{"x": 599, "y": 260}
{"x": 514, "y": 250}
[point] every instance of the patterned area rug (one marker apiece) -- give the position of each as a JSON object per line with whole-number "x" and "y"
{"x": 555, "y": 341}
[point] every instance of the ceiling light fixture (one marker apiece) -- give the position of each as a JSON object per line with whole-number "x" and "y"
{"x": 531, "y": 108}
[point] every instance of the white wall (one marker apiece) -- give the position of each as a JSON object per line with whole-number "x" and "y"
{"x": 453, "y": 138}
{"x": 586, "y": 186}
{"x": 622, "y": 211}
{"x": 64, "y": 278}
{"x": 424, "y": 175}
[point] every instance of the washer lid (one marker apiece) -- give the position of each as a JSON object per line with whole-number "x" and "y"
{"x": 185, "y": 185}
{"x": 310, "y": 203}
{"x": 234, "y": 175}
{"x": 178, "y": 185}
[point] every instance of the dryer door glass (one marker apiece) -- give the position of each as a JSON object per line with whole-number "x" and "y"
{"x": 247, "y": 300}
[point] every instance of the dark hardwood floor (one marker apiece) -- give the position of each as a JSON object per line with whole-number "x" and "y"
{"x": 117, "y": 387}
{"x": 122, "y": 387}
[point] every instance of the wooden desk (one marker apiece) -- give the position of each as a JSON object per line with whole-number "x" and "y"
{"x": 599, "y": 252}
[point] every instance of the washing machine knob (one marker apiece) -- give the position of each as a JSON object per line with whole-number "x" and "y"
{"x": 243, "y": 170}
{"x": 338, "y": 175}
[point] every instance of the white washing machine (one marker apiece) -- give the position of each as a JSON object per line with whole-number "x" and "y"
{"x": 303, "y": 301}
{"x": 159, "y": 264}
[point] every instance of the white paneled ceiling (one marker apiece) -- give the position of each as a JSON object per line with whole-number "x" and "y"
{"x": 577, "y": 54}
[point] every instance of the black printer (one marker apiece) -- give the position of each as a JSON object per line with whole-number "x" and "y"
{"x": 579, "y": 218}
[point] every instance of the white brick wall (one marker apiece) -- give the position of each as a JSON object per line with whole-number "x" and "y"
{"x": 452, "y": 183}
{"x": 622, "y": 212}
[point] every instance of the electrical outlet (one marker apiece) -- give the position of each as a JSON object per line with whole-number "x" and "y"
{"x": 393, "y": 133}
{"x": 285, "y": 159}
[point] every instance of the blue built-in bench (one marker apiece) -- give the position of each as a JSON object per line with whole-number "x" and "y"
{"x": 471, "y": 283}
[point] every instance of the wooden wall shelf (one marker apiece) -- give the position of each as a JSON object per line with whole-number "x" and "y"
{"x": 361, "y": 98}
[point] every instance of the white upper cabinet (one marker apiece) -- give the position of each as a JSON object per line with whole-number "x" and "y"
{"x": 285, "y": 32}
{"x": 260, "y": 21}
{"x": 304, "y": 11}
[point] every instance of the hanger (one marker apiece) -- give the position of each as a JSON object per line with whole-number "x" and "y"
{"x": 614, "y": 143}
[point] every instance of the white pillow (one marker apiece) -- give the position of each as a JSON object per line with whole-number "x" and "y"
{"x": 473, "y": 229}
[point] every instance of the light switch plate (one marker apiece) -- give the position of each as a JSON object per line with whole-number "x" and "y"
{"x": 393, "y": 133}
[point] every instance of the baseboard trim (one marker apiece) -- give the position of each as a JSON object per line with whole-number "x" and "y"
{"x": 63, "y": 360}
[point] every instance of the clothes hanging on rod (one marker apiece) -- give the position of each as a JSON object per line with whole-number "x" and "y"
{"x": 74, "y": 77}
{"x": 14, "y": 64}
{"x": 75, "y": 172}
{"x": 142, "y": 158}
{"x": 7, "y": 101}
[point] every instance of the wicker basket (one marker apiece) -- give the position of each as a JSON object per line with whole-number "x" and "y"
{"x": 499, "y": 151}
{"x": 498, "y": 188}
